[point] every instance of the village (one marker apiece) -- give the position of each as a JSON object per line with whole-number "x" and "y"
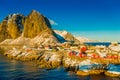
{"x": 79, "y": 58}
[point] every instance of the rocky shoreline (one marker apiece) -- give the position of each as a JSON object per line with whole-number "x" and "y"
{"x": 49, "y": 59}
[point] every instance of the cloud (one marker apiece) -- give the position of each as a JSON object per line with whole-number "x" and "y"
{"x": 53, "y": 22}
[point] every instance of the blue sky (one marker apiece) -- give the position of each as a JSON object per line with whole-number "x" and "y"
{"x": 95, "y": 19}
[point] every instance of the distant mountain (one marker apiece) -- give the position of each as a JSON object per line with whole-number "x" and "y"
{"x": 69, "y": 37}
{"x": 83, "y": 39}
{"x": 65, "y": 36}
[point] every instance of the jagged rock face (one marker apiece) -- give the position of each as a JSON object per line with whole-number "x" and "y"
{"x": 11, "y": 27}
{"x": 15, "y": 25}
{"x": 35, "y": 24}
{"x": 17, "y": 19}
{"x": 3, "y": 31}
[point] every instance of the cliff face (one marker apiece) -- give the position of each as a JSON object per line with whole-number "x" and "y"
{"x": 35, "y": 24}
{"x": 11, "y": 27}
{"x": 15, "y": 25}
{"x": 3, "y": 31}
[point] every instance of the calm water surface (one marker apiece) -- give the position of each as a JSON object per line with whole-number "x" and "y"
{"x": 99, "y": 43}
{"x": 17, "y": 70}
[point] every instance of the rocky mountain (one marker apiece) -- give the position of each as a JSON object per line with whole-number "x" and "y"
{"x": 83, "y": 39}
{"x": 65, "y": 36}
{"x": 16, "y": 25}
{"x": 34, "y": 28}
{"x": 36, "y": 23}
{"x": 11, "y": 26}
{"x": 38, "y": 28}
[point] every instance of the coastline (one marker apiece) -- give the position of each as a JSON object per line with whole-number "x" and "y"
{"x": 51, "y": 59}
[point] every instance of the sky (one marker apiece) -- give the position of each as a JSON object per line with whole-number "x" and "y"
{"x": 94, "y": 19}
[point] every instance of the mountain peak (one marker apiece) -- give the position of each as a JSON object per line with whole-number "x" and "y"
{"x": 34, "y": 12}
{"x": 35, "y": 23}
{"x": 14, "y": 16}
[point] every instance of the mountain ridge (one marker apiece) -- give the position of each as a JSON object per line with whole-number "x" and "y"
{"x": 35, "y": 26}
